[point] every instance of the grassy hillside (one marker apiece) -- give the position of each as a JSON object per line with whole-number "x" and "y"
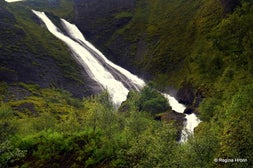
{"x": 163, "y": 35}
{"x": 30, "y": 54}
{"x": 60, "y": 8}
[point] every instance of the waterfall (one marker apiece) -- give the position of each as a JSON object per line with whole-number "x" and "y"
{"x": 9, "y": 1}
{"x": 192, "y": 121}
{"x": 94, "y": 68}
{"x": 75, "y": 33}
{"x": 176, "y": 106}
{"x": 117, "y": 80}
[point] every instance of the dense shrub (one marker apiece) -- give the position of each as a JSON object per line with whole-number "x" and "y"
{"x": 152, "y": 101}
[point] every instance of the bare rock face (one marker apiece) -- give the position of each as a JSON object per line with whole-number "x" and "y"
{"x": 189, "y": 110}
{"x": 229, "y": 5}
{"x": 171, "y": 116}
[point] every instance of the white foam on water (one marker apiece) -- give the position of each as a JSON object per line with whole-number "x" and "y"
{"x": 75, "y": 33}
{"x": 9, "y": 1}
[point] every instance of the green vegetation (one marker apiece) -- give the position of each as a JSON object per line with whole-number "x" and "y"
{"x": 152, "y": 101}
{"x": 193, "y": 41}
{"x": 44, "y": 42}
{"x": 187, "y": 41}
{"x": 49, "y": 126}
{"x": 123, "y": 15}
{"x": 167, "y": 30}
{"x": 45, "y": 59}
{"x": 60, "y": 8}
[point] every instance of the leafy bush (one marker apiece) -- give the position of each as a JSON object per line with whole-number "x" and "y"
{"x": 152, "y": 101}
{"x": 9, "y": 154}
{"x": 208, "y": 109}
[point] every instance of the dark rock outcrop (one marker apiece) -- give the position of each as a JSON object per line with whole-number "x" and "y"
{"x": 191, "y": 97}
{"x": 185, "y": 94}
{"x": 229, "y": 5}
{"x": 189, "y": 110}
{"x": 179, "y": 118}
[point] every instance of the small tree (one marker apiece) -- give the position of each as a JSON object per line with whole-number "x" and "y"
{"x": 152, "y": 101}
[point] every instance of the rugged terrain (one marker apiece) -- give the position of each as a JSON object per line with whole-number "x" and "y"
{"x": 199, "y": 50}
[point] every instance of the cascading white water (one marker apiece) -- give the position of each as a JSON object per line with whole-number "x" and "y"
{"x": 9, "y": 1}
{"x": 96, "y": 71}
{"x": 192, "y": 121}
{"x": 174, "y": 103}
{"x": 75, "y": 33}
{"x": 97, "y": 65}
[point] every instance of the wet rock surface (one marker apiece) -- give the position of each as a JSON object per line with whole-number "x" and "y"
{"x": 171, "y": 116}
{"x": 185, "y": 94}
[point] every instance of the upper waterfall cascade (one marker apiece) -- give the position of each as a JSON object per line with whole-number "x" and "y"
{"x": 9, "y": 1}
{"x": 75, "y": 33}
{"x": 117, "y": 80}
{"x": 94, "y": 68}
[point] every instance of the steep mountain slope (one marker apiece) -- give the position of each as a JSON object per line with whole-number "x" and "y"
{"x": 30, "y": 54}
{"x": 99, "y": 20}
{"x": 150, "y": 38}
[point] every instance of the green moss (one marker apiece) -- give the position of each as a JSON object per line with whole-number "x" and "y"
{"x": 3, "y": 87}
{"x": 30, "y": 87}
{"x": 61, "y": 8}
{"x": 42, "y": 43}
{"x": 123, "y": 15}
